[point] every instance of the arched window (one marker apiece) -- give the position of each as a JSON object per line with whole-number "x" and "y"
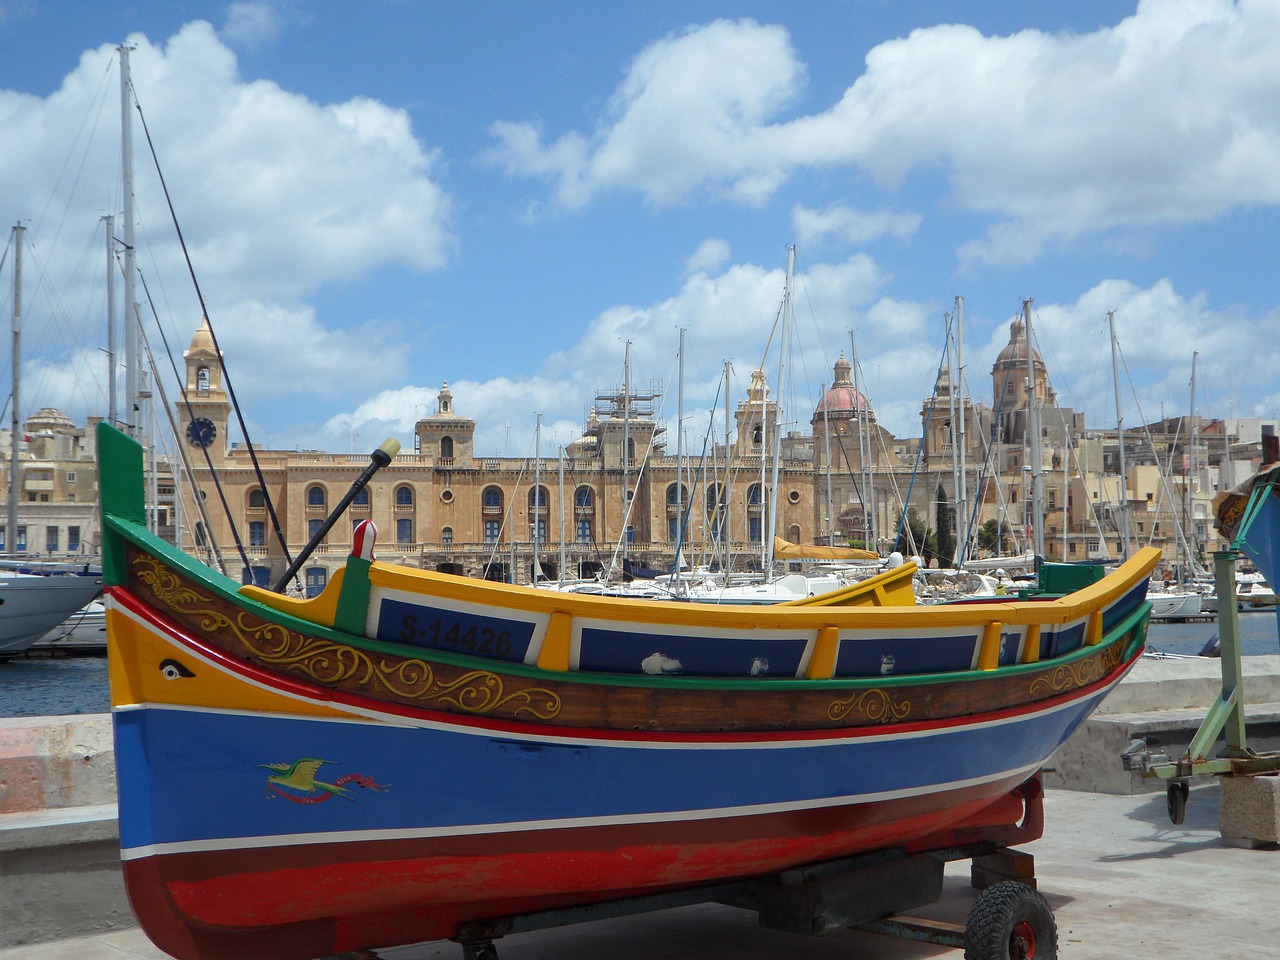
{"x": 361, "y": 498}
{"x": 446, "y": 536}
{"x": 257, "y": 499}
{"x": 537, "y": 498}
{"x": 202, "y": 380}
{"x": 753, "y": 494}
{"x": 404, "y": 496}
{"x": 315, "y": 497}
{"x": 583, "y": 497}
{"x": 757, "y": 434}
{"x": 446, "y": 448}
{"x": 492, "y": 499}
{"x": 677, "y": 493}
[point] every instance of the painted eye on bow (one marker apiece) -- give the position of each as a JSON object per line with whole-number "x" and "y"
{"x": 173, "y": 670}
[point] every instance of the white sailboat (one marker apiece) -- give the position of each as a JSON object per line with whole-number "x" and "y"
{"x": 30, "y": 604}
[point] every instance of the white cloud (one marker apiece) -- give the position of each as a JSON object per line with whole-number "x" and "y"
{"x": 690, "y": 113}
{"x": 278, "y": 196}
{"x": 1166, "y": 117}
{"x": 250, "y": 25}
{"x": 847, "y": 225}
{"x": 711, "y": 254}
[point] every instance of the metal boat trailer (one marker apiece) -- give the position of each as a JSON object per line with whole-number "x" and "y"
{"x": 1009, "y": 921}
{"x": 1225, "y": 716}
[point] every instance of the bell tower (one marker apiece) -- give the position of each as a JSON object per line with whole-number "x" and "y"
{"x": 204, "y": 410}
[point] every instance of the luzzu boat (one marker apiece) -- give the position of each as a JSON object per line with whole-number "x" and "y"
{"x": 411, "y": 753}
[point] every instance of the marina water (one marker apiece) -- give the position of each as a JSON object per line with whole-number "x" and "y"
{"x": 41, "y": 687}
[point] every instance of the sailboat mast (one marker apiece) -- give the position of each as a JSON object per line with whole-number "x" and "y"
{"x": 109, "y": 222}
{"x": 11, "y": 533}
{"x": 826, "y": 459}
{"x": 723, "y": 506}
{"x": 952, "y": 432}
{"x": 1033, "y": 440}
{"x": 1124, "y": 476}
{"x": 626, "y": 447}
{"x": 864, "y": 451}
{"x": 132, "y": 349}
{"x": 536, "y": 567}
{"x": 680, "y": 463}
{"x": 783, "y": 345}
{"x": 1193, "y": 430}
{"x": 962, "y": 488}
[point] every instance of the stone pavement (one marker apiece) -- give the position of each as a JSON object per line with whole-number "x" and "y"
{"x": 1121, "y": 879}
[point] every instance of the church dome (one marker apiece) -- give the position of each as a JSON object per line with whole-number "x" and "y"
{"x": 841, "y": 399}
{"x": 1015, "y": 350}
{"x": 48, "y": 419}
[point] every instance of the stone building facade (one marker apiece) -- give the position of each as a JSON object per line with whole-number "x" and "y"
{"x": 616, "y": 497}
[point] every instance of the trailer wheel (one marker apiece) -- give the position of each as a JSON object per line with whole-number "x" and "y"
{"x": 1010, "y": 921}
{"x": 1176, "y": 799}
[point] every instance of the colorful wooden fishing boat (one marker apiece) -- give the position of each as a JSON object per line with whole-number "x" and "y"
{"x": 411, "y": 753}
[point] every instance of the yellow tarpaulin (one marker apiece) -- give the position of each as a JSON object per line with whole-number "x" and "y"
{"x": 785, "y": 550}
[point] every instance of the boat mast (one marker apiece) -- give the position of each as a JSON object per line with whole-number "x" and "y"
{"x": 952, "y": 432}
{"x": 677, "y": 562}
{"x": 110, "y": 228}
{"x": 535, "y": 570}
{"x": 1033, "y": 439}
{"x": 626, "y": 449}
{"x": 132, "y": 350}
{"x": 564, "y": 560}
{"x": 11, "y": 534}
{"x": 783, "y": 344}
{"x": 1193, "y": 429}
{"x": 962, "y": 485}
{"x": 826, "y": 456}
{"x": 865, "y": 473}
{"x": 1124, "y": 477}
{"x": 726, "y": 540}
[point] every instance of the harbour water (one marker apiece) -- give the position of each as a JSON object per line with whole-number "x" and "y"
{"x": 40, "y": 687}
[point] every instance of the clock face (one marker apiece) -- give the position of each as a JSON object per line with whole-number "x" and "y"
{"x": 201, "y": 431}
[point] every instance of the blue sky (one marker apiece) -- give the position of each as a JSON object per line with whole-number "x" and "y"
{"x": 501, "y": 195}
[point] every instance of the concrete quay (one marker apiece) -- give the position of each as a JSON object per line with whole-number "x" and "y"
{"x": 1119, "y": 876}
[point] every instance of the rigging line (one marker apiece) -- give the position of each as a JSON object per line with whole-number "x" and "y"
{"x": 217, "y": 483}
{"x": 204, "y": 312}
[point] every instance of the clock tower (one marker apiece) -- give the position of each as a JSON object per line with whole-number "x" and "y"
{"x": 204, "y": 411}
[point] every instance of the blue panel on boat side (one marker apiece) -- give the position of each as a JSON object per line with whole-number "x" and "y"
{"x": 452, "y": 630}
{"x": 893, "y": 656}
{"x": 1124, "y": 606}
{"x": 620, "y": 651}
{"x": 1054, "y": 643}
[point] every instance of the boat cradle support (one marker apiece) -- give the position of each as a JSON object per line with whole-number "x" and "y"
{"x": 1225, "y": 717}
{"x": 868, "y": 892}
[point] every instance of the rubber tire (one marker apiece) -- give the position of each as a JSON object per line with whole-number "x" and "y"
{"x": 998, "y": 911}
{"x": 1176, "y": 800}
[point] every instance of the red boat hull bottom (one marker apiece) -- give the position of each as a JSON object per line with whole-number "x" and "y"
{"x": 315, "y": 900}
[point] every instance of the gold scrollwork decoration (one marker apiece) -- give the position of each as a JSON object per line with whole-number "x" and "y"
{"x": 1080, "y": 673}
{"x": 329, "y": 662}
{"x": 874, "y": 706}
